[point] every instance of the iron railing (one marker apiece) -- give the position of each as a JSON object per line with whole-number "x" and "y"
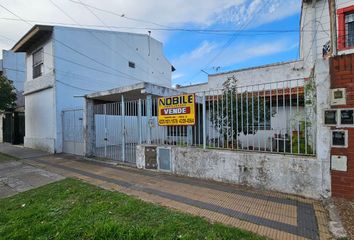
{"x": 277, "y": 117}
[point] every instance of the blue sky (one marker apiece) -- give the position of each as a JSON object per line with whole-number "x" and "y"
{"x": 253, "y": 47}
{"x": 189, "y": 52}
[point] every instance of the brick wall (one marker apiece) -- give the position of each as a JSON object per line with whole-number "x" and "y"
{"x": 342, "y": 76}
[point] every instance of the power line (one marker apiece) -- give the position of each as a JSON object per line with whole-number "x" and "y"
{"x": 190, "y": 30}
{"x": 15, "y": 14}
{"x": 13, "y": 69}
{"x": 127, "y": 44}
{"x": 120, "y": 15}
{"x": 72, "y": 86}
{"x": 100, "y": 40}
{"x": 234, "y": 37}
{"x": 80, "y": 65}
{"x": 67, "y": 60}
{"x": 230, "y": 41}
{"x": 315, "y": 35}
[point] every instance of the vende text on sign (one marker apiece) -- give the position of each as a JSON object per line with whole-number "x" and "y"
{"x": 176, "y": 110}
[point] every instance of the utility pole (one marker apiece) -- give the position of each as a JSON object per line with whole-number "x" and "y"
{"x": 333, "y": 27}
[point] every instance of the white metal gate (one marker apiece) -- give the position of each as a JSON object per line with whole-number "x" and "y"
{"x": 73, "y": 140}
{"x": 121, "y": 126}
{"x": 116, "y": 128}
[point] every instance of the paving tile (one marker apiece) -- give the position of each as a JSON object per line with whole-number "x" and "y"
{"x": 276, "y": 215}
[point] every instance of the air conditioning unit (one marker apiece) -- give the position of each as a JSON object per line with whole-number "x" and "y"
{"x": 338, "y": 96}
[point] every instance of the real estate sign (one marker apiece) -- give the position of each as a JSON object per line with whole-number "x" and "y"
{"x": 176, "y": 110}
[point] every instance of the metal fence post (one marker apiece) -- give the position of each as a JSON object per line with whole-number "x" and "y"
{"x": 105, "y": 129}
{"x": 139, "y": 122}
{"x": 204, "y": 121}
{"x": 149, "y": 117}
{"x": 123, "y": 128}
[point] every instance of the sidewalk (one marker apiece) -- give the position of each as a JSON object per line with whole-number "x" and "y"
{"x": 270, "y": 214}
{"x": 16, "y": 176}
{"x": 20, "y": 151}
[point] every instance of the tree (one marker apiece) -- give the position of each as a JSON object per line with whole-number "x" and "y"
{"x": 7, "y": 94}
{"x": 238, "y": 110}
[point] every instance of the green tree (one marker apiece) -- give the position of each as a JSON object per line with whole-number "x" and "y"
{"x": 238, "y": 110}
{"x": 7, "y": 94}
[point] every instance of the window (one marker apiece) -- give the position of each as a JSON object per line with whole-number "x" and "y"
{"x": 345, "y": 28}
{"x": 37, "y": 70}
{"x": 131, "y": 64}
{"x": 349, "y": 29}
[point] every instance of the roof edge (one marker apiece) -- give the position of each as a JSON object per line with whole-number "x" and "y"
{"x": 256, "y": 67}
{"x": 29, "y": 35}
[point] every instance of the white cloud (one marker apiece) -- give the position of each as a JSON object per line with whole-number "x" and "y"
{"x": 241, "y": 52}
{"x": 202, "y": 50}
{"x": 177, "y": 75}
{"x": 202, "y": 13}
{"x": 258, "y": 12}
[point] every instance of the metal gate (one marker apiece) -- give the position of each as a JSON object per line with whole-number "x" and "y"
{"x": 117, "y": 130}
{"x": 73, "y": 140}
{"x": 13, "y": 127}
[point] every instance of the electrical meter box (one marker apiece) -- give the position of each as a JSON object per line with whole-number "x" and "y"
{"x": 164, "y": 158}
{"x": 338, "y": 96}
{"x": 339, "y": 138}
{"x": 339, "y": 163}
{"x": 150, "y": 157}
{"x": 330, "y": 117}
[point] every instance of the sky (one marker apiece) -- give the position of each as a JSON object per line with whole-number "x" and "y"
{"x": 200, "y": 37}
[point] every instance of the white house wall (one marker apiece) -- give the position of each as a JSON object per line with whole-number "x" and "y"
{"x": 258, "y": 75}
{"x": 320, "y": 31}
{"x": 39, "y": 101}
{"x": 39, "y": 120}
{"x": 48, "y": 62}
{"x": 104, "y": 66}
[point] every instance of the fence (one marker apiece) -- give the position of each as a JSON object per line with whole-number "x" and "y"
{"x": 273, "y": 117}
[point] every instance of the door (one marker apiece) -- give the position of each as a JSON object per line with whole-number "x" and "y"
{"x": 73, "y": 139}
{"x": 7, "y": 128}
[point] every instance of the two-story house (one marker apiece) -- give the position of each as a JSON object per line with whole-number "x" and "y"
{"x": 63, "y": 64}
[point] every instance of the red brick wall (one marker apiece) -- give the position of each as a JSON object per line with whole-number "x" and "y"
{"x": 342, "y": 76}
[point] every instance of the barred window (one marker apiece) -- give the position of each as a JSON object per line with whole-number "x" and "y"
{"x": 37, "y": 63}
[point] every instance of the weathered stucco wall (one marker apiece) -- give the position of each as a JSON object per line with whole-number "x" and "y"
{"x": 254, "y": 75}
{"x": 284, "y": 173}
{"x": 289, "y": 174}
